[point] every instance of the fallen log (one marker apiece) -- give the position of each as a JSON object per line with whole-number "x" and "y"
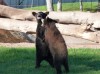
{"x": 17, "y": 25}
{"x": 72, "y": 30}
{"x": 81, "y": 31}
{"x": 13, "y": 13}
{"x": 77, "y": 18}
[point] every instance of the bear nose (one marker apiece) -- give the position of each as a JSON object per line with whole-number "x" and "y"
{"x": 39, "y": 16}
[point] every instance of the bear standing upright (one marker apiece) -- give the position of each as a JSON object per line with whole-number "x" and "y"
{"x": 42, "y": 50}
{"x": 56, "y": 44}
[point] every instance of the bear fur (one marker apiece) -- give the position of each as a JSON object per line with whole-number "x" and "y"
{"x": 56, "y": 44}
{"x": 42, "y": 50}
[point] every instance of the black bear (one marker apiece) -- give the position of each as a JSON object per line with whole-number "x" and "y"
{"x": 56, "y": 44}
{"x": 42, "y": 50}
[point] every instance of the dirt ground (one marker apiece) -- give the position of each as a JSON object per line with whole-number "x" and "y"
{"x": 28, "y": 45}
{"x": 17, "y": 45}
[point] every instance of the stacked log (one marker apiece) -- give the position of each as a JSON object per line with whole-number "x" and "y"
{"x": 84, "y": 25}
{"x": 81, "y": 31}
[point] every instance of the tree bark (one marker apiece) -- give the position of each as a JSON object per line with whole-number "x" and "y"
{"x": 98, "y": 2}
{"x": 81, "y": 5}
{"x": 49, "y": 5}
{"x": 59, "y": 5}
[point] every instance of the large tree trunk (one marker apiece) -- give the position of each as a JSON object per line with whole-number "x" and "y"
{"x": 98, "y": 2}
{"x": 81, "y": 5}
{"x": 59, "y": 5}
{"x": 49, "y": 5}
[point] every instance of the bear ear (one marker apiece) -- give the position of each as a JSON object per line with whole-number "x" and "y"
{"x": 47, "y": 13}
{"x": 34, "y": 13}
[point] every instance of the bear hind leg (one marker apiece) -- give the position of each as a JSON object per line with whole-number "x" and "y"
{"x": 38, "y": 61}
{"x": 50, "y": 61}
{"x": 57, "y": 65}
{"x": 65, "y": 64}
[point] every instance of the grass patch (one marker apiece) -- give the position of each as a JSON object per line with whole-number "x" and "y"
{"x": 69, "y": 6}
{"x": 22, "y": 61}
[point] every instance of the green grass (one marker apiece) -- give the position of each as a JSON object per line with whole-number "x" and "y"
{"x": 22, "y": 61}
{"x": 69, "y": 6}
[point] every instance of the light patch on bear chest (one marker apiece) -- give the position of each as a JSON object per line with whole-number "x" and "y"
{"x": 42, "y": 20}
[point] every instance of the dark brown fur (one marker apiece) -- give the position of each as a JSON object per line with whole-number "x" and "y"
{"x": 42, "y": 50}
{"x": 56, "y": 44}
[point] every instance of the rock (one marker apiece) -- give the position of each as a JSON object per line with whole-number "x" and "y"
{"x": 10, "y": 36}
